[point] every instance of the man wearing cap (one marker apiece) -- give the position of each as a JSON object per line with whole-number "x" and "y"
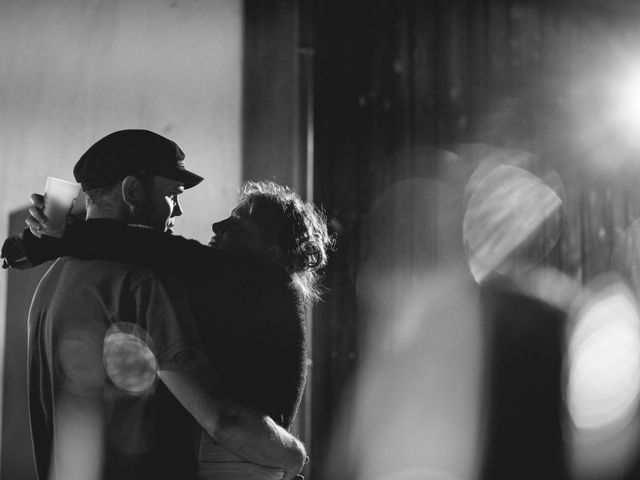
{"x": 100, "y": 330}
{"x": 150, "y": 158}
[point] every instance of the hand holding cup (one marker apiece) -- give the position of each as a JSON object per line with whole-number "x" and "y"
{"x": 50, "y": 211}
{"x": 36, "y": 219}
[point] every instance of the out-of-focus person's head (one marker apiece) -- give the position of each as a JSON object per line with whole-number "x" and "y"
{"x": 272, "y": 222}
{"x": 136, "y": 176}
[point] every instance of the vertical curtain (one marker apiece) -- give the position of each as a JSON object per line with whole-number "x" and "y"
{"x": 415, "y": 103}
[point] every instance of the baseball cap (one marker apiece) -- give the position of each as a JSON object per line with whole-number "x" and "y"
{"x": 130, "y": 152}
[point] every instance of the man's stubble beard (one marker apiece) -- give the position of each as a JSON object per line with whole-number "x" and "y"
{"x": 142, "y": 213}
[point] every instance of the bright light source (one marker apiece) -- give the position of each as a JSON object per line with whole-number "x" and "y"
{"x": 625, "y": 105}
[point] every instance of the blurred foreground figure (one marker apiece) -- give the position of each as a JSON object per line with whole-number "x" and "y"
{"x": 102, "y": 332}
{"x": 459, "y": 380}
{"x": 467, "y": 387}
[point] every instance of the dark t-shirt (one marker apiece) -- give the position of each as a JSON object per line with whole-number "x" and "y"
{"x": 98, "y": 331}
{"x": 250, "y": 316}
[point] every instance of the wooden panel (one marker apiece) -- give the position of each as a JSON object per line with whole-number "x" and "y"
{"x": 278, "y": 112}
{"x": 270, "y": 92}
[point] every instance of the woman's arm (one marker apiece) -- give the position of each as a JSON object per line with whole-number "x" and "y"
{"x": 115, "y": 240}
{"x": 163, "y": 310}
{"x": 23, "y": 250}
{"x": 139, "y": 245}
{"x": 241, "y": 430}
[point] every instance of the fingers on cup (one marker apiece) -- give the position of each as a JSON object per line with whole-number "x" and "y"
{"x": 34, "y": 226}
{"x": 37, "y": 200}
{"x": 38, "y": 215}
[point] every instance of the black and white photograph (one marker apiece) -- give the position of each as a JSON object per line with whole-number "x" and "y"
{"x": 320, "y": 239}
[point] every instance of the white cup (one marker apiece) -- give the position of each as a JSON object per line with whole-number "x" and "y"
{"x": 59, "y": 198}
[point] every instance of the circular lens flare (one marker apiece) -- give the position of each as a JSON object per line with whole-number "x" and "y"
{"x": 80, "y": 360}
{"x": 508, "y": 207}
{"x": 128, "y": 358}
{"x": 604, "y": 362}
{"x": 603, "y": 382}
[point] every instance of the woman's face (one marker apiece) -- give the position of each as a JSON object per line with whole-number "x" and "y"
{"x": 241, "y": 234}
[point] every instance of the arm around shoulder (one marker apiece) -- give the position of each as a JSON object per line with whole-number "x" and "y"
{"x": 241, "y": 430}
{"x": 188, "y": 374}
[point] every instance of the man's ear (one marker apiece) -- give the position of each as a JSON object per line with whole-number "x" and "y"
{"x": 132, "y": 192}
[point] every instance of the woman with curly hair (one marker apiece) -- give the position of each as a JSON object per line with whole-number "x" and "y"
{"x": 272, "y": 222}
{"x": 248, "y": 293}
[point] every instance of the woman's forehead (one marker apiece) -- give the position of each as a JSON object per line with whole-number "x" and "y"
{"x": 243, "y": 209}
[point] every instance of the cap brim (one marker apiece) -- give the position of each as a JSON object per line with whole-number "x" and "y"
{"x": 189, "y": 179}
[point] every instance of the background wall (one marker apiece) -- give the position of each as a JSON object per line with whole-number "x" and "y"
{"x": 75, "y": 70}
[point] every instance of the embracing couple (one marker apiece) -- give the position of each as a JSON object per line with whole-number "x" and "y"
{"x": 156, "y": 357}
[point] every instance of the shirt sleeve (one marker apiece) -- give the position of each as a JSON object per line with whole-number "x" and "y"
{"x": 163, "y": 311}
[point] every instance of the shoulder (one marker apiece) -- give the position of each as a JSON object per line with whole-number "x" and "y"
{"x": 106, "y": 272}
{"x": 140, "y": 277}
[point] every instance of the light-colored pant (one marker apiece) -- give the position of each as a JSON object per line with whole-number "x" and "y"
{"x": 217, "y": 463}
{"x": 237, "y": 471}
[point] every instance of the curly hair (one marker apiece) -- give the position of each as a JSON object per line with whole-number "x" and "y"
{"x": 297, "y": 228}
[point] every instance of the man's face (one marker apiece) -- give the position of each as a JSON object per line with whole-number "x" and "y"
{"x": 239, "y": 233}
{"x": 162, "y": 203}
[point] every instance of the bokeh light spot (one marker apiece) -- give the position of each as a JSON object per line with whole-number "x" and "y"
{"x": 506, "y": 210}
{"x": 604, "y": 363}
{"x": 602, "y": 387}
{"x": 80, "y": 360}
{"x": 128, "y": 358}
